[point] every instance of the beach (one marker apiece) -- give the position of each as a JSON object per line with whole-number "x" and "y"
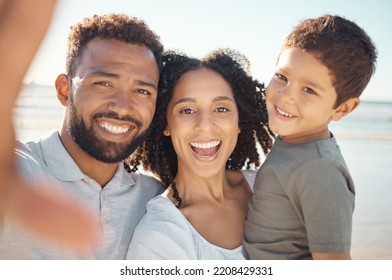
{"x": 370, "y": 162}
{"x": 365, "y": 139}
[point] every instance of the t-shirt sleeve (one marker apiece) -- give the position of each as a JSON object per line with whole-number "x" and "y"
{"x": 159, "y": 236}
{"x": 250, "y": 177}
{"x": 327, "y": 203}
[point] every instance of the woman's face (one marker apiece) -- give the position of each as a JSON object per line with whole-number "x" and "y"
{"x": 202, "y": 121}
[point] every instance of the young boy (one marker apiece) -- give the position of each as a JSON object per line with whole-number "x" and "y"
{"x": 304, "y": 195}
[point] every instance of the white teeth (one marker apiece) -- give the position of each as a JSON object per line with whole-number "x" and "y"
{"x": 205, "y": 145}
{"x": 284, "y": 113}
{"x": 114, "y": 129}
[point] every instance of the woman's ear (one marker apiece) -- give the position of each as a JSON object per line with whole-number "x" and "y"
{"x": 166, "y": 132}
{"x": 345, "y": 108}
{"x": 63, "y": 88}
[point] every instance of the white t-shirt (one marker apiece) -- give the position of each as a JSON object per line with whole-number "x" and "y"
{"x": 164, "y": 233}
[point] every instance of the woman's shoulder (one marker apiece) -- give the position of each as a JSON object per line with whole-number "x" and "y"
{"x": 241, "y": 177}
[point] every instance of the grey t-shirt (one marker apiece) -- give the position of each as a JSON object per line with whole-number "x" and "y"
{"x": 303, "y": 202}
{"x": 118, "y": 206}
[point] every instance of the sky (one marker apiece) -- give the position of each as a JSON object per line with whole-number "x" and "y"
{"x": 256, "y": 28}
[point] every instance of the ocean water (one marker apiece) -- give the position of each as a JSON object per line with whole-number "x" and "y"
{"x": 38, "y": 110}
{"x": 371, "y": 121}
{"x": 364, "y": 136}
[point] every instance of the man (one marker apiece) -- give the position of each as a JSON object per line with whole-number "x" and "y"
{"x": 109, "y": 92}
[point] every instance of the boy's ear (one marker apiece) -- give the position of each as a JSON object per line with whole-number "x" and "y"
{"x": 345, "y": 108}
{"x": 63, "y": 88}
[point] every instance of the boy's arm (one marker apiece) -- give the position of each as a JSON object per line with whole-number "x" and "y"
{"x": 23, "y": 24}
{"x": 326, "y": 195}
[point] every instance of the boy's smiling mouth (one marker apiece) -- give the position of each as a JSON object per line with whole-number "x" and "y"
{"x": 284, "y": 113}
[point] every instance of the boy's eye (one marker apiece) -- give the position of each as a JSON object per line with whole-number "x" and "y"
{"x": 281, "y": 77}
{"x": 309, "y": 90}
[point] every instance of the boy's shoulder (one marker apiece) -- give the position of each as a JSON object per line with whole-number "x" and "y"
{"x": 287, "y": 158}
{"x": 321, "y": 148}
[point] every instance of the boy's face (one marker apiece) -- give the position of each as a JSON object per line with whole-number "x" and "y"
{"x": 300, "y": 97}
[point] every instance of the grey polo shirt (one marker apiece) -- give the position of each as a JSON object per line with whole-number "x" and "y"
{"x": 118, "y": 206}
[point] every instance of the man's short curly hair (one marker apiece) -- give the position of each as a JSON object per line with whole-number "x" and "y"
{"x": 110, "y": 26}
{"x": 157, "y": 152}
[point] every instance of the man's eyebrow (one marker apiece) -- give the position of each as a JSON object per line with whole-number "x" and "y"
{"x": 146, "y": 84}
{"x": 102, "y": 73}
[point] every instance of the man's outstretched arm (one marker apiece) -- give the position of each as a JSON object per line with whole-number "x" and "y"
{"x": 23, "y": 25}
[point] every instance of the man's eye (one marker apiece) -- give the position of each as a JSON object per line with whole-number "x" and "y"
{"x": 102, "y": 83}
{"x": 143, "y": 91}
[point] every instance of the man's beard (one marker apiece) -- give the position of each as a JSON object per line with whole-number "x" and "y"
{"x": 102, "y": 150}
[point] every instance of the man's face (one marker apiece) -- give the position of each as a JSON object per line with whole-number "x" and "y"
{"x": 112, "y": 99}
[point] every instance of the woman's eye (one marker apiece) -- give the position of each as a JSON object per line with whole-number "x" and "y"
{"x": 187, "y": 111}
{"x": 221, "y": 110}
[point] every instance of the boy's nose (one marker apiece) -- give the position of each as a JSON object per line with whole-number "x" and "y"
{"x": 287, "y": 94}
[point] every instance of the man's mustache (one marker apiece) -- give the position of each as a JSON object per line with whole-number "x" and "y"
{"x": 114, "y": 115}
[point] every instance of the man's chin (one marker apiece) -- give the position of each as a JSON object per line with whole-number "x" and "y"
{"x": 109, "y": 152}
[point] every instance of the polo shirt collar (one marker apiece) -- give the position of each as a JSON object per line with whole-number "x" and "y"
{"x": 64, "y": 168}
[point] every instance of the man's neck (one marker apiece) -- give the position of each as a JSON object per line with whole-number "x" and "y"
{"x": 100, "y": 171}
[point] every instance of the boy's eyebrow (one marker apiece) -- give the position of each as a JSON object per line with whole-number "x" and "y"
{"x": 315, "y": 85}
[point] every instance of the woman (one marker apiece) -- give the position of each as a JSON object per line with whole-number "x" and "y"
{"x": 210, "y": 117}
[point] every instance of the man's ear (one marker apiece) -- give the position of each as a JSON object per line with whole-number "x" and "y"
{"x": 63, "y": 88}
{"x": 345, "y": 108}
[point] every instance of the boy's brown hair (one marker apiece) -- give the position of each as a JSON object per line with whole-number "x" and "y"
{"x": 343, "y": 47}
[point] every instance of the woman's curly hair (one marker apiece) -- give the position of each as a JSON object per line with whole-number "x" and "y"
{"x": 157, "y": 153}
